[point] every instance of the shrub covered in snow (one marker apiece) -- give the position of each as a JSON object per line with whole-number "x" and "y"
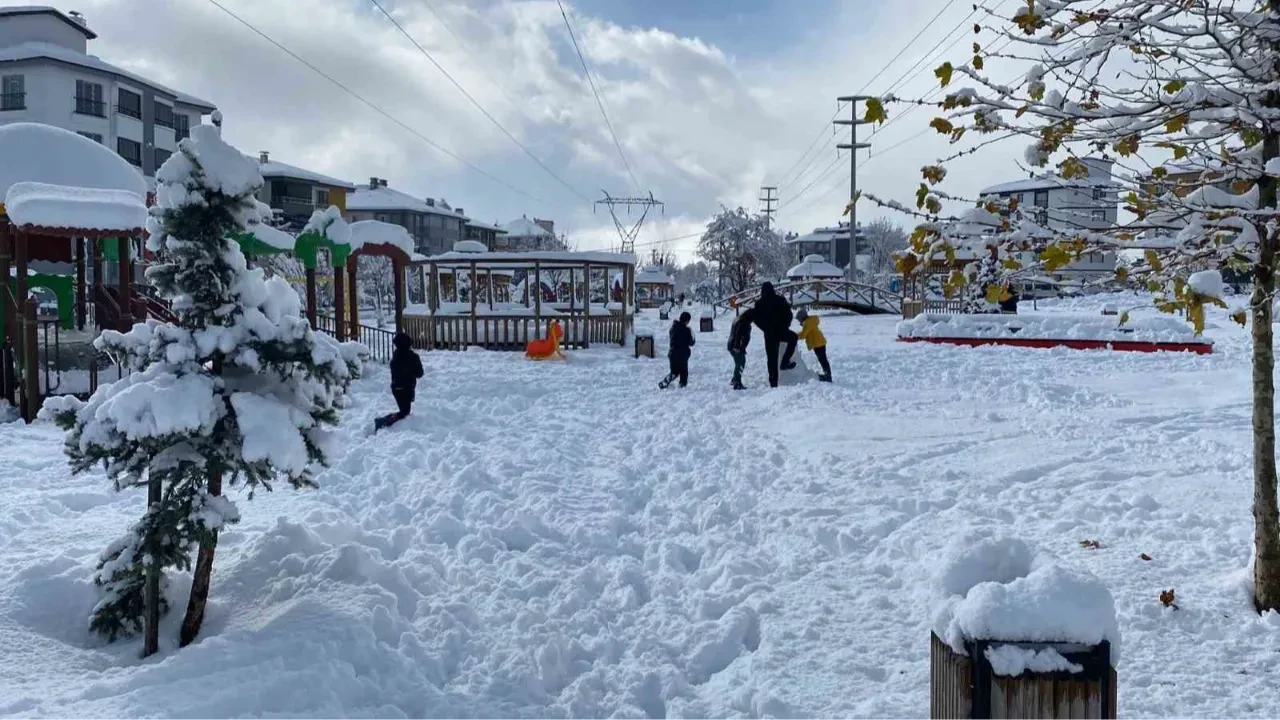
{"x": 1000, "y": 589}
{"x": 239, "y": 390}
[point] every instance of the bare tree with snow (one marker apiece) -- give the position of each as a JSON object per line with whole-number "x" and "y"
{"x": 884, "y": 238}
{"x": 743, "y": 249}
{"x": 239, "y": 390}
{"x": 1143, "y": 83}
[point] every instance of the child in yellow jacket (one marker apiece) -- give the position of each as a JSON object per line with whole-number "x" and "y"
{"x": 815, "y": 341}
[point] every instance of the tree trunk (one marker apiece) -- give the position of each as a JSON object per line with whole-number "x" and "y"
{"x": 151, "y": 596}
{"x": 200, "y": 582}
{"x": 1266, "y": 515}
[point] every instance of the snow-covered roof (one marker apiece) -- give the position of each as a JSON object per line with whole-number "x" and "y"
{"x": 33, "y": 50}
{"x": 376, "y": 232}
{"x": 1193, "y": 165}
{"x": 59, "y": 206}
{"x": 1048, "y": 181}
{"x": 653, "y": 275}
{"x": 385, "y": 198}
{"x": 46, "y": 10}
{"x": 275, "y": 168}
{"x": 547, "y": 258}
{"x": 814, "y": 266}
{"x": 524, "y": 227}
{"x": 33, "y": 152}
{"x": 486, "y": 226}
{"x": 822, "y": 235}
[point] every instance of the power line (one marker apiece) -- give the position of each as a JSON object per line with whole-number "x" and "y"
{"x": 436, "y": 146}
{"x": 479, "y": 107}
{"x": 904, "y": 47}
{"x": 594, "y": 91}
{"x": 466, "y": 47}
{"x": 812, "y": 144}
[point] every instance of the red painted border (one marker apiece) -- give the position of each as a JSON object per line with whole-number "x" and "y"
{"x": 1122, "y": 345}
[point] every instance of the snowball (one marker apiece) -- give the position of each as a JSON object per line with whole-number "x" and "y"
{"x": 1207, "y": 283}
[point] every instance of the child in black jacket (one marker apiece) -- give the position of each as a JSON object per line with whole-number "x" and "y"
{"x": 739, "y": 338}
{"x": 406, "y": 368}
{"x": 682, "y": 343}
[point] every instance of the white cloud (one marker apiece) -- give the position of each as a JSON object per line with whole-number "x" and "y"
{"x": 700, "y": 127}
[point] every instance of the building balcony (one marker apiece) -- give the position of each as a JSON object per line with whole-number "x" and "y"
{"x": 94, "y": 108}
{"x": 129, "y": 112}
{"x": 13, "y": 101}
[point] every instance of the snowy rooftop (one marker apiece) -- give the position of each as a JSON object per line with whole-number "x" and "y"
{"x": 10, "y": 10}
{"x": 524, "y": 227}
{"x": 376, "y": 232}
{"x": 1047, "y": 181}
{"x": 33, "y": 50}
{"x": 547, "y": 258}
{"x": 385, "y": 198}
{"x": 39, "y": 153}
{"x": 653, "y": 275}
{"x": 815, "y": 266}
{"x": 275, "y": 168}
{"x": 59, "y": 206}
{"x": 487, "y": 226}
{"x": 822, "y": 235}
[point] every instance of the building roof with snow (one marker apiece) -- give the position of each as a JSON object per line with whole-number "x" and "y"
{"x": 385, "y": 199}
{"x": 486, "y": 226}
{"x": 653, "y": 275}
{"x": 58, "y": 206}
{"x": 34, "y": 152}
{"x": 815, "y": 266}
{"x": 822, "y": 235}
{"x": 275, "y": 169}
{"x": 80, "y": 27}
{"x": 524, "y": 227}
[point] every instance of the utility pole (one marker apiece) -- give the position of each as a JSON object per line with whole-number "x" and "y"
{"x": 768, "y": 201}
{"x": 853, "y": 146}
{"x": 626, "y": 234}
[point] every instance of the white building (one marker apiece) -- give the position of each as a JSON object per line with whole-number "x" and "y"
{"x": 523, "y": 234}
{"x": 47, "y": 76}
{"x": 832, "y": 243}
{"x": 1088, "y": 203}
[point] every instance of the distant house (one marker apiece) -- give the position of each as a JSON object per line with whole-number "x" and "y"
{"x": 524, "y": 234}
{"x": 484, "y": 232}
{"x": 294, "y": 193}
{"x": 1088, "y": 203}
{"x": 434, "y": 225}
{"x": 47, "y": 76}
{"x": 832, "y": 243}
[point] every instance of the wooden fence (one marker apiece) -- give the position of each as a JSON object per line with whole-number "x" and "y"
{"x": 497, "y": 332}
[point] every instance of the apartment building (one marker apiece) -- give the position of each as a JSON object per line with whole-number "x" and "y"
{"x": 434, "y": 224}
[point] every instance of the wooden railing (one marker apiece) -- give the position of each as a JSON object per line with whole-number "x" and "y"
{"x": 831, "y": 292}
{"x": 504, "y": 332}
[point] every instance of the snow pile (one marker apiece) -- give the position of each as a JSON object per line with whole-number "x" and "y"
{"x": 376, "y": 232}
{"x": 815, "y": 266}
{"x": 329, "y": 223}
{"x": 1050, "y": 326}
{"x": 469, "y": 246}
{"x": 60, "y": 206}
{"x": 34, "y": 152}
{"x": 222, "y": 168}
{"x": 999, "y": 589}
{"x": 1011, "y": 661}
{"x": 1207, "y": 283}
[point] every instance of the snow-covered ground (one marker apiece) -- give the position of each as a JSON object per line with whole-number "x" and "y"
{"x": 563, "y": 539}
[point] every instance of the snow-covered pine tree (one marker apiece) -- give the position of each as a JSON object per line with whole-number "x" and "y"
{"x": 1184, "y": 96}
{"x": 240, "y": 390}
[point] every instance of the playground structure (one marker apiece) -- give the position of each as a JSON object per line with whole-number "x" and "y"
{"x": 653, "y": 287}
{"x": 821, "y": 293}
{"x": 547, "y": 348}
{"x": 573, "y": 288}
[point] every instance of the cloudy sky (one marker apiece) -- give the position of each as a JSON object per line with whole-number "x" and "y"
{"x": 709, "y": 99}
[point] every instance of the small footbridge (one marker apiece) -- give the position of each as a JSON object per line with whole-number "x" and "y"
{"x": 842, "y": 294}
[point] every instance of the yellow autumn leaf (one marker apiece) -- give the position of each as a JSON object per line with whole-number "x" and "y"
{"x": 1010, "y": 263}
{"x": 997, "y": 294}
{"x": 956, "y": 134}
{"x": 933, "y": 173}
{"x": 1195, "y": 313}
{"x": 1124, "y": 317}
{"x": 932, "y": 205}
{"x": 976, "y": 48}
{"x": 875, "y": 111}
{"x": 1179, "y": 152}
{"x": 943, "y": 73}
{"x": 1019, "y": 112}
{"x": 977, "y": 62}
{"x": 942, "y": 125}
{"x": 1153, "y": 260}
{"x": 1072, "y": 168}
{"x": 1176, "y": 124}
{"x": 1054, "y": 257}
{"x": 1174, "y": 86}
{"x": 954, "y": 284}
{"x": 1122, "y": 274}
{"x": 906, "y": 264}
{"x": 1127, "y": 145}
{"x": 1241, "y": 317}
{"x": 922, "y": 192}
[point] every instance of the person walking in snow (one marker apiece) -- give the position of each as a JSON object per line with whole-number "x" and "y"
{"x": 773, "y": 316}
{"x": 815, "y": 341}
{"x": 739, "y": 338}
{"x": 406, "y": 369}
{"x": 680, "y": 348}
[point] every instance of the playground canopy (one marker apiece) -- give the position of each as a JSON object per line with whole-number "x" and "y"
{"x": 814, "y": 266}
{"x": 37, "y": 153}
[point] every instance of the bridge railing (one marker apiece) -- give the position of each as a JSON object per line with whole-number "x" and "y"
{"x": 838, "y": 293}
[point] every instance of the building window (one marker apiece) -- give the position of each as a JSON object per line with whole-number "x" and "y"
{"x": 1042, "y": 198}
{"x": 1099, "y": 215}
{"x": 160, "y": 156}
{"x": 130, "y": 150}
{"x": 92, "y": 136}
{"x": 89, "y": 99}
{"x": 164, "y": 115}
{"x": 1099, "y": 193}
{"x": 13, "y": 92}
{"x": 181, "y": 126}
{"x": 322, "y": 198}
{"x": 129, "y": 103}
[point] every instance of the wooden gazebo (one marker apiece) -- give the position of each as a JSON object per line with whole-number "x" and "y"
{"x": 653, "y": 287}
{"x": 445, "y": 323}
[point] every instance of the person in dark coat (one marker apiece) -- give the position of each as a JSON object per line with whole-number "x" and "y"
{"x": 773, "y": 317}
{"x": 739, "y": 338}
{"x": 406, "y": 369}
{"x": 681, "y": 348}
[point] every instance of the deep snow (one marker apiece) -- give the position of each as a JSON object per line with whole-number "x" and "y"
{"x": 552, "y": 539}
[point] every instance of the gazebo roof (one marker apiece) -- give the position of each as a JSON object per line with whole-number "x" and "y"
{"x": 58, "y": 207}
{"x": 37, "y": 153}
{"x": 376, "y": 232}
{"x": 814, "y": 266}
{"x": 548, "y": 259}
{"x": 653, "y": 275}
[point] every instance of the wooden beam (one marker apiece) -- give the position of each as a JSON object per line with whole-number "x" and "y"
{"x": 311, "y": 296}
{"x": 78, "y": 244}
{"x": 473, "y": 290}
{"x": 398, "y": 270}
{"x": 125, "y": 283}
{"x": 353, "y": 296}
{"x": 339, "y": 300}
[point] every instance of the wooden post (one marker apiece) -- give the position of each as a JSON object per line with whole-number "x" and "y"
{"x": 537, "y": 295}
{"x": 125, "y": 283}
{"x": 353, "y": 295}
{"x": 527, "y": 281}
{"x": 78, "y": 244}
{"x": 30, "y": 359}
{"x": 490, "y": 289}
{"x": 586, "y": 306}
{"x": 95, "y": 265}
{"x": 151, "y": 593}
{"x": 311, "y": 296}
{"x": 6, "y": 292}
{"x": 339, "y": 299}
{"x": 473, "y": 289}
{"x": 398, "y": 269}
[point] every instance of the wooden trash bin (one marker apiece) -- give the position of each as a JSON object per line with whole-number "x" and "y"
{"x": 706, "y": 324}
{"x": 644, "y": 345}
{"x": 664, "y": 315}
{"x": 966, "y": 686}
